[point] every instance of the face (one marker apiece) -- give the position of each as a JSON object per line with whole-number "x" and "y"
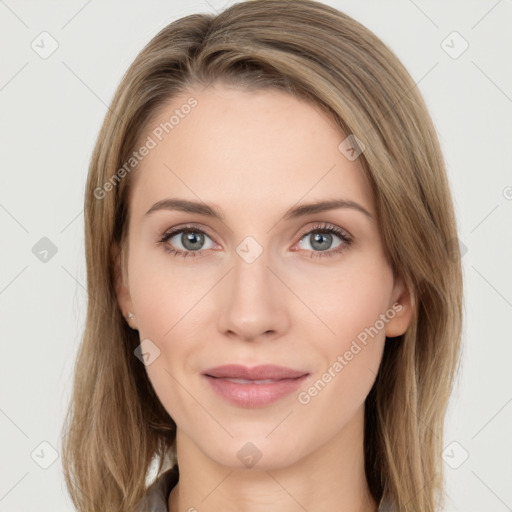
{"x": 264, "y": 282}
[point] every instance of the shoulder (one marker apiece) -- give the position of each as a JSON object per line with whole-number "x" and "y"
{"x": 157, "y": 494}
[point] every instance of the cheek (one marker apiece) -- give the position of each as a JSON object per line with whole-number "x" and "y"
{"x": 161, "y": 293}
{"x": 350, "y": 346}
{"x": 167, "y": 309}
{"x": 349, "y": 302}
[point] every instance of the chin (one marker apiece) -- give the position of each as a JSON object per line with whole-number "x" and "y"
{"x": 255, "y": 452}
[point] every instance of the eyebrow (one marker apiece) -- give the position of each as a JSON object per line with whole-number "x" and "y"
{"x": 295, "y": 212}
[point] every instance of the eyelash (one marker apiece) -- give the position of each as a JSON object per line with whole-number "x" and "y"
{"x": 323, "y": 228}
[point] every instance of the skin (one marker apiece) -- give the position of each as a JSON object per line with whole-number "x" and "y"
{"x": 255, "y": 155}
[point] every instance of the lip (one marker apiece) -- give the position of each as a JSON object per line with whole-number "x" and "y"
{"x": 231, "y": 383}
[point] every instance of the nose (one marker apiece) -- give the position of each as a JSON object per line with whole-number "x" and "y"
{"x": 253, "y": 301}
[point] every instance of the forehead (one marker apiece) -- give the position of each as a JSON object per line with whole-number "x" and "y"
{"x": 247, "y": 149}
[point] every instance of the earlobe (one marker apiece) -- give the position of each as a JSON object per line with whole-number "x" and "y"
{"x": 121, "y": 287}
{"x": 401, "y": 310}
{"x": 130, "y": 318}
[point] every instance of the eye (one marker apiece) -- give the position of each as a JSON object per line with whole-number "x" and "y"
{"x": 188, "y": 241}
{"x": 320, "y": 240}
{"x": 185, "y": 241}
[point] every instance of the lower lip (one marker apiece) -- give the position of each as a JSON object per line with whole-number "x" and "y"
{"x": 254, "y": 395}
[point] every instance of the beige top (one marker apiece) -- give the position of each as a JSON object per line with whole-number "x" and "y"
{"x": 158, "y": 492}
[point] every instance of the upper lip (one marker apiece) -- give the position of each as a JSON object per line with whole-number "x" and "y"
{"x": 261, "y": 372}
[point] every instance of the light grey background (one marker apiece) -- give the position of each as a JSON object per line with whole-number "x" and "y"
{"x": 51, "y": 111}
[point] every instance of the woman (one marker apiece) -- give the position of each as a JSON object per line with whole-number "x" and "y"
{"x": 274, "y": 278}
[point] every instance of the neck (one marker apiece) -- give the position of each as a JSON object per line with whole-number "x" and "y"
{"x": 331, "y": 477}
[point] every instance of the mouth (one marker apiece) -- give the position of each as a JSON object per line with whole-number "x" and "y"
{"x": 260, "y": 372}
{"x": 247, "y": 381}
{"x": 254, "y": 387}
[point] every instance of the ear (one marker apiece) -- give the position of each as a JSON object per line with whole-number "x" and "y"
{"x": 403, "y": 304}
{"x": 121, "y": 285}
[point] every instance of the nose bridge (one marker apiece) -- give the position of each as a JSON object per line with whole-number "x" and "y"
{"x": 254, "y": 300}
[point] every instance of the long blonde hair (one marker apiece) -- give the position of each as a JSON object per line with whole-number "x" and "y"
{"x": 116, "y": 427}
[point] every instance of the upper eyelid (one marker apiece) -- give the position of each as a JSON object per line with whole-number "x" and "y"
{"x": 169, "y": 233}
